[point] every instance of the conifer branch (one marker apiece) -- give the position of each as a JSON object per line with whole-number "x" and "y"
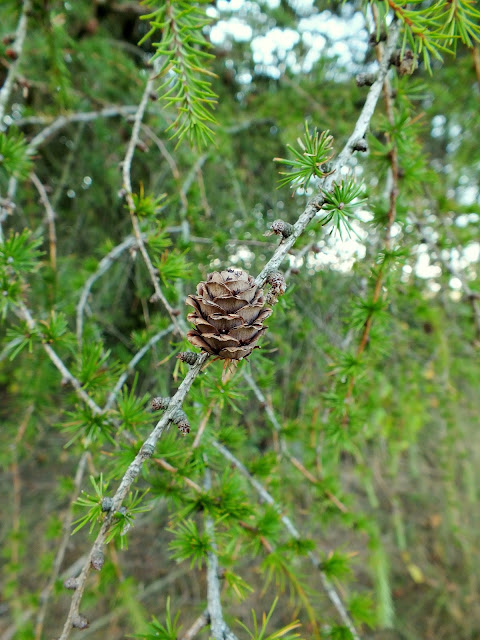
{"x": 342, "y": 160}
{"x": 183, "y": 67}
{"x": 293, "y": 531}
{"x": 131, "y": 474}
{"x": 17, "y": 48}
{"x": 103, "y": 266}
{"x": 133, "y": 363}
{"x": 284, "y": 450}
{"x": 148, "y": 447}
{"x": 219, "y": 629}
{"x": 50, "y": 218}
{"x": 62, "y": 547}
{"x": 392, "y": 208}
{"x": 59, "y": 123}
{"x": 127, "y": 185}
{"x": 25, "y": 314}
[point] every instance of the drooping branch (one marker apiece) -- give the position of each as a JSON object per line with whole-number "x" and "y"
{"x": 293, "y": 531}
{"x": 103, "y": 266}
{"x": 17, "y": 48}
{"x": 51, "y": 220}
{"x": 147, "y": 448}
{"x": 342, "y": 160}
{"x": 127, "y": 185}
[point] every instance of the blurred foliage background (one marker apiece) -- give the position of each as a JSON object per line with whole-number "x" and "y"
{"x": 385, "y": 440}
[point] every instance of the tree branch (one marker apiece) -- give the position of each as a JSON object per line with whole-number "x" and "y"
{"x": 131, "y": 474}
{"x": 330, "y": 590}
{"x": 342, "y": 160}
{"x": 17, "y": 48}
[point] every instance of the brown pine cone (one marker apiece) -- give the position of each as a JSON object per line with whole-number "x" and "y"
{"x": 228, "y": 314}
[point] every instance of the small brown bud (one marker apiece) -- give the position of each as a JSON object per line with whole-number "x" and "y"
{"x": 276, "y": 280}
{"x": 179, "y": 417}
{"x": 405, "y": 64}
{"x": 183, "y": 427}
{"x": 188, "y": 356}
{"x": 147, "y": 450}
{"x": 160, "y": 404}
{"x": 294, "y": 271}
{"x": 97, "y": 561}
{"x": 11, "y": 53}
{"x": 80, "y": 622}
{"x": 71, "y": 583}
{"x": 282, "y": 228}
{"x": 176, "y": 312}
{"x": 141, "y": 146}
{"x": 316, "y": 249}
{"x": 8, "y": 39}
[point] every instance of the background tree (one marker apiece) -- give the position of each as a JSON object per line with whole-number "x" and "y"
{"x": 327, "y": 486}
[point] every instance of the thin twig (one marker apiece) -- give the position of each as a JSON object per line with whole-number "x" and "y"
{"x": 218, "y": 627}
{"x": 50, "y": 218}
{"x": 287, "y": 522}
{"x": 17, "y": 48}
{"x": 103, "y": 266}
{"x": 201, "y": 622}
{"x": 133, "y": 363}
{"x": 142, "y": 594}
{"x": 62, "y": 121}
{"x": 24, "y": 313}
{"x": 283, "y": 445}
{"x": 62, "y": 548}
{"x": 127, "y": 185}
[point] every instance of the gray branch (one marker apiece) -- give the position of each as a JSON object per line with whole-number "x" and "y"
{"x": 131, "y": 474}
{"x": 342, "y": 160}
{"x": 290, "y": 527}
{"x": 103, "y": 266}
{"x": 17, "y": 47}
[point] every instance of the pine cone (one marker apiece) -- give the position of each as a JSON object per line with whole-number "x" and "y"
{"x": 228, "y": 314}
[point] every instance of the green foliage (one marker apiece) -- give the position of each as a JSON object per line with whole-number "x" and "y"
{"x": 307, "y": 163}
{"x": 183, "y": 59}
{"x": 190, "y": 544}
{"x": 340, "y": 205}
{"x": 337, "y": 565}
{"x": 121, "y": 520}
{"x": 168, "y": 631}
{"x": 435, "y": 28}
{"x": 259, "y": 631}
{"x": 368, "y": 364}
{"x": 15, "y": 160}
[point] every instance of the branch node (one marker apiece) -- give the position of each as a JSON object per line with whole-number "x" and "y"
{"x": 366, "y": 79}
{"x": 405, "y": 64}
{"x": 280, "y": 228}
{"x": 107, "y": 504}
{"x": 160, "y": 404}
{"x": 97, "y": 562}
{"x": 80, "y": 622}
{"x": 147, "y": 450}
{"x": 276, "y": 280}
{"x": 179, "y": 417}
{"x": 71, "y": 583}
{"x": 188, "y": 356}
